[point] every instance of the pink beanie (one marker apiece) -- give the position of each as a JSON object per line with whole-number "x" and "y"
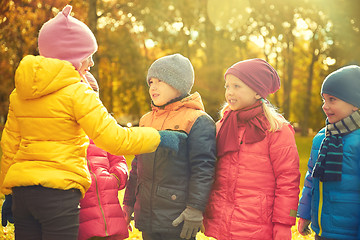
{"x": 258, "y": 74}
{"x": 66, "y": 38}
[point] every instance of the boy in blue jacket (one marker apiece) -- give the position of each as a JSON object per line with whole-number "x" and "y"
{"x": 331, "y": 195}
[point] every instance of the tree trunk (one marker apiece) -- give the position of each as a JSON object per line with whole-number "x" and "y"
{"x": 290, "y": 75}
{"x": 92, "y": 23}
{"x": 307, "y": 102}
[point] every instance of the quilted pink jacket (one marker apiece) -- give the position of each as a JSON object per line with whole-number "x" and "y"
{"x": 254, "y": 188}
{"x": 101, "y": 214}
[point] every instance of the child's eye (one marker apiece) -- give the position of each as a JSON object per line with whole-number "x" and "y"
{"x": 332, "y": 99}
{"x": 150, "y": 82}
{"x": 236, "y": 86}
{"x": 226, "y": 86}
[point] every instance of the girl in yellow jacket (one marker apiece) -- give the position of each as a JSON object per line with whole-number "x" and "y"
{"x": 52, "y": 111}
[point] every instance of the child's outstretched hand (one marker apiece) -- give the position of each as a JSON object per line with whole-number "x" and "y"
{"x": 281, "y": 232}
{"x": 303, "y": 226}
{"x": 171, "y": 139}
{"x": 6, "y": 213}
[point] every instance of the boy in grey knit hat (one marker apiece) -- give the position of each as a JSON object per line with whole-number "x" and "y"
{"x": 169, "y": 188}
{"x": 175, "y": 70}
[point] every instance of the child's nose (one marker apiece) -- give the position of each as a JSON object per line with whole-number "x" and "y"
{"x": 91, "y": 64}
{"x": 153, "y": 86}
{"x": 324, "y": 106}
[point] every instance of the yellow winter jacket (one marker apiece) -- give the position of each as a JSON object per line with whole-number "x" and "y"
{"x": 51, "y": 113}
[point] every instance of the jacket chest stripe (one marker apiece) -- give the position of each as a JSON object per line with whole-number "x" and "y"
{"x": 320, "y": 206}
{"x": 98, "y": 196}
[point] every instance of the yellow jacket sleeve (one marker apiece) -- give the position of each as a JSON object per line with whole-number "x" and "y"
{"x": 100, "y": 126}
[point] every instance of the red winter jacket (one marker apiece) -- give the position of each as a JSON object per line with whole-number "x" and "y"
{"x": 255, "y": 188}
{"x": 101, "y": 214}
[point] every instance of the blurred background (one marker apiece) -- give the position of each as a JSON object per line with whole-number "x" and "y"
{"x": 304, "y": 40}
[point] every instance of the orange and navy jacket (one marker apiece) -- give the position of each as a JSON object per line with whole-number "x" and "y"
{"x": 162, "y": 184}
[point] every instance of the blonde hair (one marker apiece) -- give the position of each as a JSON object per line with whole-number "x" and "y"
{"x": 276, "y": 120}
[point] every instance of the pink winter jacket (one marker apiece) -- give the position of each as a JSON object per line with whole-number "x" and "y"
{"x": 255, "y": 188}
{"x": 101, "y": 214}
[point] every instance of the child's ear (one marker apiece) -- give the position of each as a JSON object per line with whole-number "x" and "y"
{"x": 355, "y": 109}
{"x": 257, "y": 96}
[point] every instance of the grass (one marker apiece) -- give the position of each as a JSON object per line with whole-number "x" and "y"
{"x": 303, "y": 145}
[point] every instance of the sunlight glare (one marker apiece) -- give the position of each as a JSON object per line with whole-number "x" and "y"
{"x": 228, "y": 14}
{"x": 149, "y": 43}
{"x": 258, "y": 40}
{"x": 329, "y": 61}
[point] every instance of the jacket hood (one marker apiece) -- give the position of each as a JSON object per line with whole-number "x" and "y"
{"x": 193, "y": 101}
{"x": 38, "y": 76}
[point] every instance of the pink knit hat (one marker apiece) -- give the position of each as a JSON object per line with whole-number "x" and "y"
{"x": 66, "y": 38}
{"x": 258, "y": 74}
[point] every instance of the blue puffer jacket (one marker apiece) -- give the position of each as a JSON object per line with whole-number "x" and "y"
{"x": 334, "y": 207}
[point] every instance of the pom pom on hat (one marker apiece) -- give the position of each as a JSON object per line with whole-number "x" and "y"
{"x": 66, "y": 38}
{"x": 344, "y": 84}
{"x": 175, "y": 70}
{"x": 258, "y": 74}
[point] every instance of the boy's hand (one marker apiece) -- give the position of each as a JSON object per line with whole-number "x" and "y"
{"x": 192, "y": 222}
{"x": 171, "y": 139}
{"x": 303, "y": 226}
{"x": 6, "y": 213}
{"x": 128, "y": 211}
{"x": 281, "y": 231}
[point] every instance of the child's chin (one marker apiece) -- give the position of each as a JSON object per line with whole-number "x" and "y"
{"x": 331, "y": 120}
{"x": 234, "y": 108}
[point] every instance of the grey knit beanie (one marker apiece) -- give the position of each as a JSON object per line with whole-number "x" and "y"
{"x": 175, "y": 70}
{"x": 344, "y": 84}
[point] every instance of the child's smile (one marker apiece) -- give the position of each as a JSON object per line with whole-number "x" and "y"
{"x": 238, "y": 95}
{"x": 336, "y": 109}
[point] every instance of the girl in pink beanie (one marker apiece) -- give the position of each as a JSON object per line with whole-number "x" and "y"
{"x": 256, "y": 186}
{"x": 52, "y": 114}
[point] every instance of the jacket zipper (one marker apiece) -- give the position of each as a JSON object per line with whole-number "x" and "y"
{"x": 320, "y": 206}
{"x": 152, "y": 191}
{"x": 98, "y": 197}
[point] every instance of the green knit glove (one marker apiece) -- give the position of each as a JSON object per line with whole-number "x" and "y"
{"x": 192, "y": 222}
{"x": 171, "y": 139}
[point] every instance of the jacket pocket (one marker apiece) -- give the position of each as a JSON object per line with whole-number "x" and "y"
{"x": 345, "y": 210}
{"x": 172, "y": 195}
{"x": 251, "y": 208}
